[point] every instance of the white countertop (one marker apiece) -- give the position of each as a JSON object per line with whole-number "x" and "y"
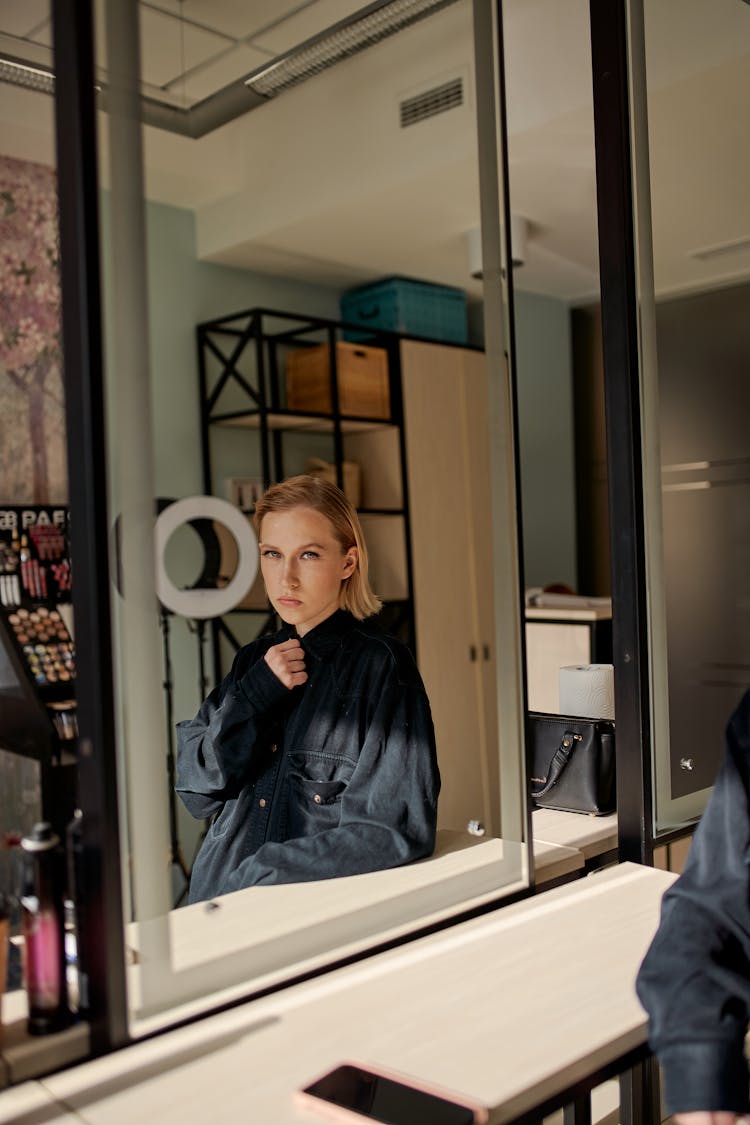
{"x": 461, "y": 1008}
{"x": 590, "y": 835}
{"x": 196, "y": 936}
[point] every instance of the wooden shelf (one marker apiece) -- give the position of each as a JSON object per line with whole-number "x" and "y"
{"x": 294, "y": 420}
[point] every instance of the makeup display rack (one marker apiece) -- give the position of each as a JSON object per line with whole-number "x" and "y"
{"x": 37, "y": 652}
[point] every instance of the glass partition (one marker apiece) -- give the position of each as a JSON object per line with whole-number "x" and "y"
{"x": 210, "y": 213}
{"x": 557, "y": 332}
{"x": 690, "y": 68}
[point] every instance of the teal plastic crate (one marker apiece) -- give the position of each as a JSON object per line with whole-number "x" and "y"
{"x": 401, "y": 304}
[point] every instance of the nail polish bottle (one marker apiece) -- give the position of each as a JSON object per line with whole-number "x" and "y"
{"x": 42, "y": 921}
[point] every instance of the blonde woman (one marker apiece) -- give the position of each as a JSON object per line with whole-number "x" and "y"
{"x": 316, "y": 755}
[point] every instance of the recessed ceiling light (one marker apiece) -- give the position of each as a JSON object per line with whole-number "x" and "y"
{"x": 365, "y": 28}
{"x": 19, "y": 73}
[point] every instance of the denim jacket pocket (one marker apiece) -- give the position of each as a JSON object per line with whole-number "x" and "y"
{"x": 316, "y": 786}
{"x": 319, "y": 792}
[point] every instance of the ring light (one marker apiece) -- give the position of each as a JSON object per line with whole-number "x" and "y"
{"x": 198, "y": 602}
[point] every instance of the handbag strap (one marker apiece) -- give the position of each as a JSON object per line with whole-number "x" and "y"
{"x": 559, "y": 761}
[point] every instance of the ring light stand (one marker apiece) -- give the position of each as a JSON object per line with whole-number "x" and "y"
{"x": 176, "y": 858}
{"x": 204, "y": 600}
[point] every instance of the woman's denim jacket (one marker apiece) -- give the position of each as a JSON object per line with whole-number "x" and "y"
{"x": 336, "y": 777}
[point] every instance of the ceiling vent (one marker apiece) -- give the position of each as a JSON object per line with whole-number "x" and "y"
{"x": 448, "y": 95}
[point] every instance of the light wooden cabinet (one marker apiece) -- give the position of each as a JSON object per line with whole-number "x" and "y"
{"x": 445, "y": 403}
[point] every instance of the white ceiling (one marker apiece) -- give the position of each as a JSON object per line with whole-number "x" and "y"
{"x": 323, "y": 184}
{"x": 189, "y": 48}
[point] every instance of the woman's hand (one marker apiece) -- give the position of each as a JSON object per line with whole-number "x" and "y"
{"x": 287, "y": 662}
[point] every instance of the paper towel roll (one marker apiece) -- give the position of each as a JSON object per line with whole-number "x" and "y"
{"x": 588, "y": 691}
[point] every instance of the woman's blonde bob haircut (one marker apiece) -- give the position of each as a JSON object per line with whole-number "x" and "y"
{"x": 322, "y": 496}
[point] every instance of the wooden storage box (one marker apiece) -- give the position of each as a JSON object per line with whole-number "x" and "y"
{"x": 362, "y": 380}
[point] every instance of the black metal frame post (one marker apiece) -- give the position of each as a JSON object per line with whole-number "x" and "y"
{"x": 176, "y": 856}
{"x": 100, "y": 895}
{"x": 617, "y": 258}
{"x": 639, "y": 1088}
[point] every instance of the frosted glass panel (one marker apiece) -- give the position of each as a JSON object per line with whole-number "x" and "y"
{"x": 697, "y": 58}
{"x": 704, "y": 349}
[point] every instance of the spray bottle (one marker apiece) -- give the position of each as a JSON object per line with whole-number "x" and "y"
{"x": 42, "y": 920}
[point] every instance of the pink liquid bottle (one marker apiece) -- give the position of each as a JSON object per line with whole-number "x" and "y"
{"x": 42, "y": 921}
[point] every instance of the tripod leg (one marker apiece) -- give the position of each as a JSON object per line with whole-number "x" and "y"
{"x": 175, "y": 852}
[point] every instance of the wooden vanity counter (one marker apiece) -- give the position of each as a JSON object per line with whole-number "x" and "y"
{"x": 510, "y": 1009}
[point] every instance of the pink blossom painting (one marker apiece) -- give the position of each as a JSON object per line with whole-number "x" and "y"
{"x": 32, "y": 422}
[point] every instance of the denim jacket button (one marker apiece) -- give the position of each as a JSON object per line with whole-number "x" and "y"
{"x": 317, "y": 798}
{"x": 262, "y": 802}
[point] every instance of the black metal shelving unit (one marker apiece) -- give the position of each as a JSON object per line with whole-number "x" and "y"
{"x": 241, "y": 363}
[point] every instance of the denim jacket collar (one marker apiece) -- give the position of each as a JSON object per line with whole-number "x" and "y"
{"x": 325, "y": 639}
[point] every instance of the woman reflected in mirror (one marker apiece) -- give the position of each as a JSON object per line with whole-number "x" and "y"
{"x": 315, "y": 757}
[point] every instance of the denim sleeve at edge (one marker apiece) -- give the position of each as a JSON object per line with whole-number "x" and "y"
{"x": 695, "y": 979}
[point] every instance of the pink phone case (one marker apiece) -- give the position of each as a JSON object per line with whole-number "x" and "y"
{"x": 341, "y": 1113}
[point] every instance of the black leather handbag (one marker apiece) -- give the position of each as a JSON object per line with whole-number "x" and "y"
{"x": 572, "y": 763}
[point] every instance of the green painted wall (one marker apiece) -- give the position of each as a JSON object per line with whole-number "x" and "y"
{"x": 547, "y": 455}
{"x": 545, "y": 439}
{"x": 183, "y": 292}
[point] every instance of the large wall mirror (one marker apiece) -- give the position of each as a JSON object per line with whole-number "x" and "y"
{"x": 218, "y": 200}
{"x": 239, "y": 215}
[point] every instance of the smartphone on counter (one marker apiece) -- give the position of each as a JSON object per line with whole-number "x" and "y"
{"x": 356, "y": 1092}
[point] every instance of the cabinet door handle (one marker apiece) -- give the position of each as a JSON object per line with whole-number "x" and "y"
{"x": 472, "y": 653}
{"x": 486, "y": 652}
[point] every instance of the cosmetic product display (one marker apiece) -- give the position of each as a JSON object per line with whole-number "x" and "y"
{"x": 42, "y": 918}
{"x": 38, "y": 714}
{"x": 46, "y": 644}
{"x": 34, "y": 555}
{"x": 10, "y": 585}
